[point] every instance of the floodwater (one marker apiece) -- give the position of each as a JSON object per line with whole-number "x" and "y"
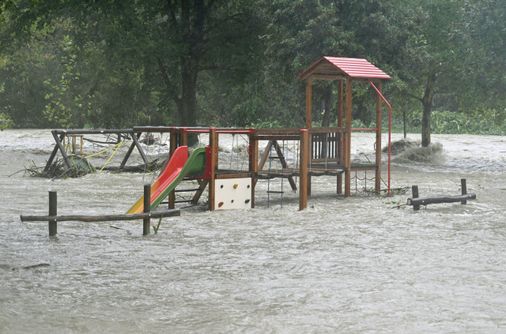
{"x": 364, "y": 264}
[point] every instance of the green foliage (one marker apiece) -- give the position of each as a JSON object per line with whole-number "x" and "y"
{"x": 236, "y": 63}
{"x": 480, "y": 121}
{"x": 5, "y": 121}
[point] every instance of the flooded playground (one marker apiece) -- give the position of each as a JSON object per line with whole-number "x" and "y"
{"x": 363, "y": 264}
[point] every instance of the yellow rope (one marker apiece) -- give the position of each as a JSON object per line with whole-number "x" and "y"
{"x": 101, "y": 152}
{"x": 115, "y": 150}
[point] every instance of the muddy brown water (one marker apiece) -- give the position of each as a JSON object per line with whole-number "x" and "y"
{"x": 363, "y": 264}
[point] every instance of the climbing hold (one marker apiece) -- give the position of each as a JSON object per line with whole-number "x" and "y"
{"x": 236, "y": 185}
{"x": 220, "y": 204}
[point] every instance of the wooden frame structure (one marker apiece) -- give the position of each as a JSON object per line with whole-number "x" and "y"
{"x": 323, "y": 151}
{"x": 346, "y": 71}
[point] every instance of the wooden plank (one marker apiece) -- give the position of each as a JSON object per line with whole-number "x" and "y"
{"x": 277, "y": 131}
{"x": 92, "y": 131}
{"x": 278, "y": 137}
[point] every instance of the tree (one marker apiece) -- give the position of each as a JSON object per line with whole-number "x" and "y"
{"x": 433, "y": 54}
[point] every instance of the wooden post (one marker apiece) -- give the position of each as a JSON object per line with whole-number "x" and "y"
{"x": 339, "y": 144}
{"x": 184, "y": 138}
{"x": 414, "y": 191}
{"x": 309, "y": 97}
{"x": 146, "y": 221}
{"x": 347, "y": 136}
{"x": 73, "y": 144}
{"x": 53, "y": 211}
{"x": 309, "y": 162}
{"x": 253, "y": 164}
{"x": 213, "y": 144}
{"x": 463, "y": 185}
{"x": 377, "y": 180}
{"x": 172, "y": 147}
{"x": 303, "y": 171}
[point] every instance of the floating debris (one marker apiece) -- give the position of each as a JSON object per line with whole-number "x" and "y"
{"x": 58, "y": 169}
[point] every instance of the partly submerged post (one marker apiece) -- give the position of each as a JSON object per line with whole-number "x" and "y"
{"x": 213, "y": 163}
{"x": 253, "y": 163}
{"x": 414, "y": 190}
{"x": 146, "y": 221}
{"x": 53, "y": 211}
{"x": 303, "y": 169}
{"x": 463, "y": 185}
{"x": 377, "y": 176}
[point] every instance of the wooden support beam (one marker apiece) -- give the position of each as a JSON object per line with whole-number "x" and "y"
{"x": 146, "y": 221}
{"x": 253, "y": 165}
{"x": 202, "y": 186}
{"x": 303, "y": 169}
{"x": 309, "y": 101}
{"x": 282, "y": 159}
{"x": 59, "y": 140}
{"x": 213, "y": 144}
{"x": 339, "y": 146}
{"x": 135, "y": 138}
{"x": 53, "y": 153}
{"x": 347, "y": 135}
{"x": 377, "y": 180}
{"x": 265, "y": 155}
{"x": 173, "y": 141}
{"x": 129, "y": 152}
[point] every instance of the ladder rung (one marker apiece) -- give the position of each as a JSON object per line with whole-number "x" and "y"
{"x": 273, "y": 157}
{"x": 185, "y": 190}
{"x": 183, "y": 201}
{"x": 275, "y": 192}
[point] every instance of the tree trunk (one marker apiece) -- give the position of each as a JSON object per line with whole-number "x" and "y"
{"x": 427, "y": 99}
{"x": 187, "y": 106}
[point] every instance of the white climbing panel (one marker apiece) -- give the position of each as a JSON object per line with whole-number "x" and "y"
{"x": 232, "y": 194}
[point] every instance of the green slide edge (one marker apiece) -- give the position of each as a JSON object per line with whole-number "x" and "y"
{"x": 194, "y": 166}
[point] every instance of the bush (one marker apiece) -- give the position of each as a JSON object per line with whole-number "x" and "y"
{"x": 5, "y": 121}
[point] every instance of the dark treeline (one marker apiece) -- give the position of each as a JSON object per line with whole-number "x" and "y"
{"x": 117, "y": 63}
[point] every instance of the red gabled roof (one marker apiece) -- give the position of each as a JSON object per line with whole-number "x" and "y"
{"x": 357, "y": 68}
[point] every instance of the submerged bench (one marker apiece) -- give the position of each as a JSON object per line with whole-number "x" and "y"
{"x": 416, "y": 201}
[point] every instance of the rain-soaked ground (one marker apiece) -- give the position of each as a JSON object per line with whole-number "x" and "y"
{"x": 364, "y": 264}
